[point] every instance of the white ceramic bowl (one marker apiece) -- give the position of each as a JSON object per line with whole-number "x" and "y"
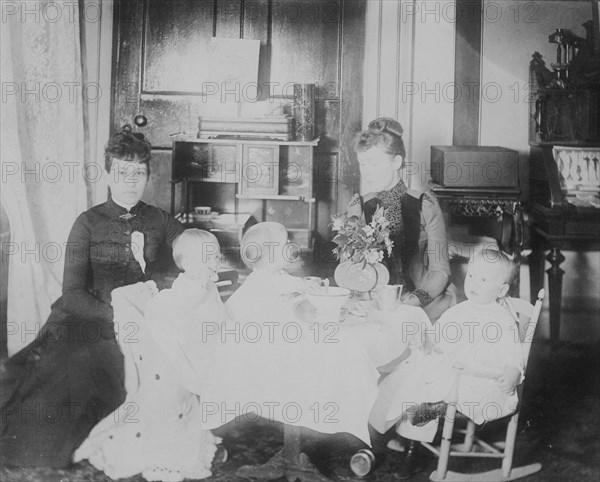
{"x": 328, "y": 303}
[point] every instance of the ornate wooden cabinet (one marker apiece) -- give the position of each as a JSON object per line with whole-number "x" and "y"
{"x": 564, "y": 138}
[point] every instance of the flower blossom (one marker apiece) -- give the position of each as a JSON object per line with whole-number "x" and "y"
{"x": 374, "y": 256}
{"x": 338, "y": 223}
{"x": 359, "y": 241}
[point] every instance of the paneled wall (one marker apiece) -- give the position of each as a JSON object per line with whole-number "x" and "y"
{"x": 162, "y": 64}
{"x": 417, "y": 49}
{"x": 409, "y": 66}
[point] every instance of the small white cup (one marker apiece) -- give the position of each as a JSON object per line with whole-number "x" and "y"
{"x": 316, "y": 281}
{"x": 202, "y": 210}
{"x": 388, "y": 296}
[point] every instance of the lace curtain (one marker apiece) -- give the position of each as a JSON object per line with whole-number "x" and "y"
{"x": 42, "y": 155}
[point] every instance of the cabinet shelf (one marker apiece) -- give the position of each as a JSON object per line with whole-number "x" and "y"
{"x": 241, "y": 140}
{"x": 271, "y": 179}
{"x": 275, "y": 197}
{"x": 204, "y": 179}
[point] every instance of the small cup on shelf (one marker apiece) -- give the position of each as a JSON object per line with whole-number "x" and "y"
{"x": 202, "y": 210}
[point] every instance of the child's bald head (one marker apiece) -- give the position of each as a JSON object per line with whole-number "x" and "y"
{"x": 265, "y": 244}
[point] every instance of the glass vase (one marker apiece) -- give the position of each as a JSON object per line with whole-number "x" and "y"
{"x": 361, "y": 279}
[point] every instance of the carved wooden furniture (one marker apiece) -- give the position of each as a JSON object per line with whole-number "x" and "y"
{"x": 479, "y": 186}
{"x": 555, "y": 225}
{"x": 501, "y": 206}
{"x": 564, "y": 127}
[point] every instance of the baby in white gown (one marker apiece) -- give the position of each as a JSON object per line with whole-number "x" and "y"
{"x": 158, "y": 431}
{"x": 269, "y": 291}
{"x": 480, "y": 337}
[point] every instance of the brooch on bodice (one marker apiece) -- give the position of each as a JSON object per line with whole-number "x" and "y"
{"x": 127, "y": 216}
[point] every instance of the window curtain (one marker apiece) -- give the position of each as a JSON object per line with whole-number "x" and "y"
{"x": 42, "y": 155}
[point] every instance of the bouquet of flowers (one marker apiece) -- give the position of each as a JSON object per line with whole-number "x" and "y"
{"x": 361, "y": 242}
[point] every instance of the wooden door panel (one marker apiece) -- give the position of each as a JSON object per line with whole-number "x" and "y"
{"x": 178, "y": 34}
{"x": 255, "y": 25}
{"x": 126, "y": 52}
{"x": 353, "y": 55}
{"x": 172, "y": 114}
{"x": 158, "y": 191}
{"x": 228, "y": 18}
{"x": 328, "y": 125}
{"x": 305, "y": 45}
{"x": 167, "y": 115}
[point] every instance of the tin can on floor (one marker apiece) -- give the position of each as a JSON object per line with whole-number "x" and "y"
{"x": 362, "y": 462}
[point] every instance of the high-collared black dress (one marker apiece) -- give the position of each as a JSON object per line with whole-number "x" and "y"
{"x": 59, "y": 386}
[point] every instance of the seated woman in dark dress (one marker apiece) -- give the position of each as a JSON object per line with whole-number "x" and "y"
{"x": 419, "y": 257}
{"x": 58, "y": 387}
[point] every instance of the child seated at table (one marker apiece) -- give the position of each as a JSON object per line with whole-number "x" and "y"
{"x": 269, "y": 291}
{"x": 480, "y": 338}
{"x": 158, "y": 430}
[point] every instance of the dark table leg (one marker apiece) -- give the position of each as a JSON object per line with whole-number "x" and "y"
{"x": 536, "y": 271}
{"x": 555, "y": 274}
{"x": 517, "y": 240}
{"x": 289, "y": 462}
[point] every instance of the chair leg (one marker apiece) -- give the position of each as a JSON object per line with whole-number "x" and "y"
{"x": 469, "y": 436}
{"x": 509, "y": 448}
{"x": 442, "y": 467}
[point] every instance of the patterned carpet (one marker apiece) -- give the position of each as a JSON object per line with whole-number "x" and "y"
{"x": 559, "y": 427}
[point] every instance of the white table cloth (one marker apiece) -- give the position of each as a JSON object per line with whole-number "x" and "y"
{"x": 320, "y": 376}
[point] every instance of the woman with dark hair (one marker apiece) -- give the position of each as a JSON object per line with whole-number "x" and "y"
{"x": 62, "y": 384}
{"x": 419, "y": 258}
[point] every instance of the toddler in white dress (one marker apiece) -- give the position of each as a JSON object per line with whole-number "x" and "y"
{"x": 478, "y": 337}
{"x": 158, "y": 431}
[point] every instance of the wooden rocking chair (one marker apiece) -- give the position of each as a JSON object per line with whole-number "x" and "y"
{"x": 474, "y": 446}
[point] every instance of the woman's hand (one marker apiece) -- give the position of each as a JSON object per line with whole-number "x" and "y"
{"x": 410, "y": 299}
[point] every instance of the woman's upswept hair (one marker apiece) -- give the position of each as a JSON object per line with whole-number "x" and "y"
{"x": 129, "y": 146}
{"x": 382, "y": 132}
